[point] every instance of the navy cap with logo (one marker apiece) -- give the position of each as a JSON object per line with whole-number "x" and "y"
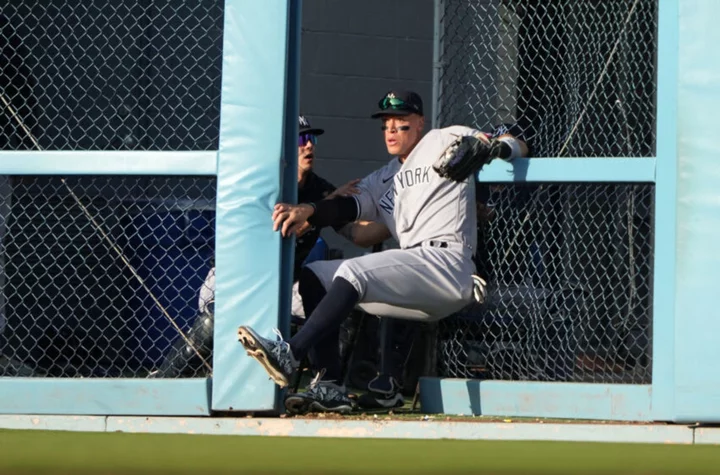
{"x": 399, "y": 103}
{"x": 306, "y": 128}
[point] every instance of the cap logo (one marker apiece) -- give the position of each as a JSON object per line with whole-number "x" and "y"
{"x": 304, "y": 122}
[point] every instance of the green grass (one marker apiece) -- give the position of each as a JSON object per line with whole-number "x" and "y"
{"x": 119, "y": 453}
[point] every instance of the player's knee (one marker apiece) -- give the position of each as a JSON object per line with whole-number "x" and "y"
{"x": 347, "y": 271}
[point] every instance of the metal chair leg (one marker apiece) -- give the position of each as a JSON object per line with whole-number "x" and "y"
{"x": 349, "y": 352}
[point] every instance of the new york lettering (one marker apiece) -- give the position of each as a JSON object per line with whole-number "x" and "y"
{"x": 409, "y": 178}
{"x": 404, "y": 179}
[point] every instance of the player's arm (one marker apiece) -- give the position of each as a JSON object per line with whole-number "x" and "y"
{"x": 515, "y": 136}
{"x": 470, "y": 150}
{"x": 290, "y": 218}
{"x": 504, "y": 145}
{"x": 337, "y": 211}
{"x": 365, "y": 233}
{"x": 506, "y": 141}
{"x": 510, "y": 147}
{"x": 330, "y": 192}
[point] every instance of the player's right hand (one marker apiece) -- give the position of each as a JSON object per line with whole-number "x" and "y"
{"x": 290, "y": 218}
{"x": 303, "y": 229}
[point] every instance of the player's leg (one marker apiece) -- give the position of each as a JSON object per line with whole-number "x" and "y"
{"x": 315, "y": 279}
{"x": 438, "y": 279}
{"x": 343, "y": 293}
{"x": 326, "y": 319}
{"x": 398, "y": 341}
{"x": 280, "y": 358}
{"x": 432, "y": 282}
{"x": 424, "y": 283}
{"x": 326, "y": 393}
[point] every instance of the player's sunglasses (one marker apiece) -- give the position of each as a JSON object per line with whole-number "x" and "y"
{"x": 402, "y": 128}
{"x": 395, "y": 103}
{"x": 303, "y": 139}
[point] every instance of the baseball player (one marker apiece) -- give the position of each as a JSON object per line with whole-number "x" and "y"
{"x": 425, "y": 196}
{"x": 183, "y": 358}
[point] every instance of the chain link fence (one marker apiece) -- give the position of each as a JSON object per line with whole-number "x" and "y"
{"x": 123, "y": 75}
{"x": 577, "y": 75}
{"x": 100, "y": 276}
{"x": 73, "y": 256}
{"x": 569, "y": 266}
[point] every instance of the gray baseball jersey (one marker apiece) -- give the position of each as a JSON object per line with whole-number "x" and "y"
{"x": 415, "y": 203}
{"x": 434, "y": 221}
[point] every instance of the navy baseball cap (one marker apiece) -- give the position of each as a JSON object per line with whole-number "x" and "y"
{"x": 306, "y": 128}
{"x": 399, "y": 102}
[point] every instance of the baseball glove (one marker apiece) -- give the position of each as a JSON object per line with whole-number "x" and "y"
{"x": 466, "y": 156}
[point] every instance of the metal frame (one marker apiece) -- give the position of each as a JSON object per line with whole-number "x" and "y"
{"x": 108, "y": 163}
{"x": 239, "y": 385}
{"x": 595, "y": 401}
{"x": 248, "y": 185}
{"x": 571, "y": 170}
{"x": 663, "y": 336}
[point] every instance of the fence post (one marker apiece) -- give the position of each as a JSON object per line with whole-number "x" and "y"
{"x": 249, "y": 165}
{"x": 437, "y": 64}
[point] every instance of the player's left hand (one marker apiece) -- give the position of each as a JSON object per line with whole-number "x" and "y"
{"x": 289, "y": 218}
{"x": 465, "y": 156}
{"x": 348, "y": 189}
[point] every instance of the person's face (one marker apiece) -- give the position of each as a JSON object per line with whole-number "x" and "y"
{"x": 306, "y": 152}
{"x": 402, "y": 133}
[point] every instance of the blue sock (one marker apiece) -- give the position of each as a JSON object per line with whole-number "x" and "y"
{"x": 326, "y": 353}
{"x": 320, "y": 331}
